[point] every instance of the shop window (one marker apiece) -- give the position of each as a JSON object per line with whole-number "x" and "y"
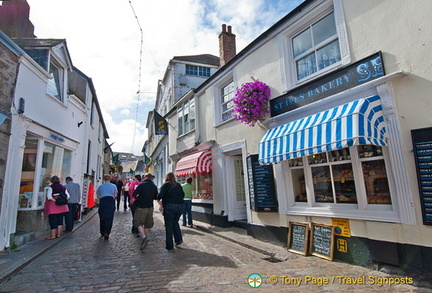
{"x": 28, "y": 173}
{"x": 48, "y": 160}
{"x": 375, "y": 175}
{"x": 203, "y": 187}
{"x": 333, "y": 178}
{"x": 55, "y": 161}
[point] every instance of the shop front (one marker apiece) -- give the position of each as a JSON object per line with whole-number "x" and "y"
{"x": 42, "y": 159}
{"x": 335, "y": 147}
{"x": 197, "y": 164}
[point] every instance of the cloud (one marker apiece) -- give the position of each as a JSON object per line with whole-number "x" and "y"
{"x": 105, "y": 41}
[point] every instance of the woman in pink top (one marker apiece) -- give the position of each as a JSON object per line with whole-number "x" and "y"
{"x": 52, "y": 211}
{"x": 132, "y": 186}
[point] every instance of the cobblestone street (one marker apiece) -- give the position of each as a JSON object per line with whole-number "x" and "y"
{"x": 83, "y": 262}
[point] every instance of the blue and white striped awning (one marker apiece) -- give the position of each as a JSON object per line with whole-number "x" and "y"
{"x": 360, "y": 122}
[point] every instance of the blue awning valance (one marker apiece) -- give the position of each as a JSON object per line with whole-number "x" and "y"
{"x": 360, "y": 122}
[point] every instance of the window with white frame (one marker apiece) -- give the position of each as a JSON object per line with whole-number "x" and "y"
{"x": 316, "y": 48}
{"x": 347, "y": 177}
{"x": 316, "y": 43}
{"x": 197, "y": 70}
{"x": 226, "y": 99}
{"x": 55, "y": 83}
{"x": 186, "y": 117}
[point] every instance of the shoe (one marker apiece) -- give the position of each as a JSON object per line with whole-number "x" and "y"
{"x": 170, "y": 250}
{"x": 144, "y": 243}
{"x": 67, "y": 231}
{"x": 106, "y": 236}
{"x": 190, "y": 226}
{"x": 179, "y": 243}
{"x": 50, "y": 238}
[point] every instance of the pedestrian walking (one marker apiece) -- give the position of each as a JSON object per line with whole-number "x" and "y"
{"x": 145, "y": 194}
{"x": 125, "y": 189}
{"x": 53, "y": 211}
{"x": 187, "y": 188}
{"x": 74, "y": 191}
{"x": 119, "y": 184}
{"x": 171, "y": 198}
{"x": 132, "y": 186}
{"x": 107, "y": 193}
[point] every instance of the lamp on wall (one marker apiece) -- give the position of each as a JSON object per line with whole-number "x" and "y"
{"x": 21, "y": 106}
{"x": 79, "y": 123}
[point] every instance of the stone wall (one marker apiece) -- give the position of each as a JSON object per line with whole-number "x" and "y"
{"x": 8, "y": 76}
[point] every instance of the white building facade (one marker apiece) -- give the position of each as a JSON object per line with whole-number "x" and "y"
{"x": 55, "y": 130}
{"x": 347, "y": 137}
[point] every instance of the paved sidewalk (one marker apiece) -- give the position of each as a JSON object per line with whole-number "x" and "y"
{"x": 11, "y": 262}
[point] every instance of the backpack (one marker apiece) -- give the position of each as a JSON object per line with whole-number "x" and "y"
{"x": 61, "y": 199}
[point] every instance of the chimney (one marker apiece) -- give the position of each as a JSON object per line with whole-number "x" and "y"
{"x": 14, "y": 19}
{"x": 227, "y": 45}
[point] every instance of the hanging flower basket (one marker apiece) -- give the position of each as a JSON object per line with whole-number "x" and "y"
{"x": 251, "y": 102}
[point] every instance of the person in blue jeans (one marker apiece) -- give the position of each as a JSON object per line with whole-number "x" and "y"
{"x": 187, "y": 188}
{"x": 171, "y": 198}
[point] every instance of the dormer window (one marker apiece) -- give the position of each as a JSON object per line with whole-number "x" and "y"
{"x": 54, "y": 87}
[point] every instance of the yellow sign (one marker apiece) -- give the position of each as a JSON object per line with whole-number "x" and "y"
{"x": 342, "y": 245}
{"x": 342, "y": 227}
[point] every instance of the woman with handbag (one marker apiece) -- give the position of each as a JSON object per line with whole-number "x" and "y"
{"x": 171, "y": 198}
{"x": 53, "y": 211}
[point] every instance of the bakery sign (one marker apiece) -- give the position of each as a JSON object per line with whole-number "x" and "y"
{"x": 358, "y": 73}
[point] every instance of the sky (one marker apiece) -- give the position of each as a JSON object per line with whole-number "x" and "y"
{"x": 104, "y": 40}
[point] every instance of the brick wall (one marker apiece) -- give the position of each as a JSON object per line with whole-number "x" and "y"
{"x": 227, "y": 45}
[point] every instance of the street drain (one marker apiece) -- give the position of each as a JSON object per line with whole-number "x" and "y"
{"x": 272, "y": 259}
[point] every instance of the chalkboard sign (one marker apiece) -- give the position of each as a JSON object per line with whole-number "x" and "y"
{"x": 298, "y": 237}
{"x": 262, "y": 191}
{"x": 322, "y": 241}
{"x": 422, "y": 140}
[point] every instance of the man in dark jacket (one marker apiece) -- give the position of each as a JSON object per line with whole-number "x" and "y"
{"x": 144, "y": 193}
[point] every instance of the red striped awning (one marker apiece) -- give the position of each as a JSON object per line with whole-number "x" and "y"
{"x": 198, "y": 163}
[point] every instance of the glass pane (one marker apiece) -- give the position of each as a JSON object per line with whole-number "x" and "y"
{"x": 302, "y": 42}
{"x": 324, "y": 29}
{"x": 306, "y": 66}
{"x": 339, "y": 155}
{"x": 322, "y": 184}
{"x": 53, "y": 87}
{"x": 317, "y": 159}
{"x": 377, "y": 187}
{"x": 299, "y": 185}
{"x": 367, "y": 151}
{"x": 28, "y": 173}
{"x": 344, "y": 183}
{"x": 328, "y": 55}
{"x": 180, "y": 125}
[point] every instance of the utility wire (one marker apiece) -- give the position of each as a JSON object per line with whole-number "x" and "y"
{"x": 139, "y": 76}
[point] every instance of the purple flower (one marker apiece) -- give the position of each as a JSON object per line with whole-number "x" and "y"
{"x": 251, "y": 102}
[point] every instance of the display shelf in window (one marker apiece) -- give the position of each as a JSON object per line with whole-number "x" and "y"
{"x": 339, "y": 155}
{"x": 368, "y": 151}
{"x": 376, "y": 182}
{"x": 317, "y": 159}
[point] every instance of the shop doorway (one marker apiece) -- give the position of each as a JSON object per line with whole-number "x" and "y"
{"x": 237, "y": 189}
